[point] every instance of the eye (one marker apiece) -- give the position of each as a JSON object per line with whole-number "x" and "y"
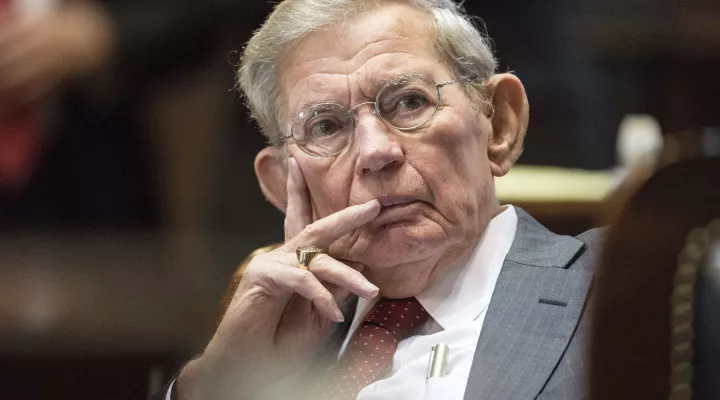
{"x": 404, "y": 102}
{"x": 410, "y": 102}
{"x": 324, "y": 127}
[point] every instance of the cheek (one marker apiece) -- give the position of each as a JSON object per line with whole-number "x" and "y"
{"x": 464, "y": 140}
{"x": 453, "y": 160}
{"x": 459, "y": 150}
{"x": 329, "y": 186}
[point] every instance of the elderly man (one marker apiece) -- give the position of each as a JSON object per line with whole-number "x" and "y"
{"x": 388, "y": 125}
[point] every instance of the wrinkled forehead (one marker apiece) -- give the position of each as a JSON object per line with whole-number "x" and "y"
{"x": 358, "y": 55}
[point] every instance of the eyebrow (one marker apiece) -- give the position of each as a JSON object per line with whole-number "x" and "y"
{"x": 303, "y": 105}
{"x": 381, "y": 84}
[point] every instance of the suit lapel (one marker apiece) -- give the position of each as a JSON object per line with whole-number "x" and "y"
{"x": 532, "y": 315}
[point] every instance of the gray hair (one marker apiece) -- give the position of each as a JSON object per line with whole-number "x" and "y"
{"x": 464, "y": 49}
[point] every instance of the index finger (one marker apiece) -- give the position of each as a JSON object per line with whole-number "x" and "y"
{"x": 323, "y": 232}
{"x": 298, "y": 213}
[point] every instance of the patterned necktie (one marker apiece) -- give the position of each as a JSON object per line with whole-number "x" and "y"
{"x": 370, "y": 351}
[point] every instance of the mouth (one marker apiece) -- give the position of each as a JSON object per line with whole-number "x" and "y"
{"x": 389, "y": 201}
{"x": 398, "y": 210}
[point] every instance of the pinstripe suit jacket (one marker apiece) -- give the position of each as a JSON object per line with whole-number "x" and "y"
{"x": 534, "y": 341}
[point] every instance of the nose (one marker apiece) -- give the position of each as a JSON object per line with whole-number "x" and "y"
{"x": 378, "y": 149}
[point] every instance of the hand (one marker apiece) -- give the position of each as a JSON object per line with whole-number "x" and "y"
{"x": 280, "y": 313}
{"x": 38, "y": 53}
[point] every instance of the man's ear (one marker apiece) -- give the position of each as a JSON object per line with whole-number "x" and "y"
{"x": 272, "y": 173}
{"x": 509, "y": 121}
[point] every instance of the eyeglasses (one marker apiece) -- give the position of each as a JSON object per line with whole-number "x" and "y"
{"x": 406, "y": 103}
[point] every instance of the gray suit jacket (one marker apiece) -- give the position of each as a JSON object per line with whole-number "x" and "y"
{"x": 534, "y": 340}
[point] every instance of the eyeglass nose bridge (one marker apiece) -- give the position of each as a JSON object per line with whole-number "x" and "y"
{"x": 353, "y": 111}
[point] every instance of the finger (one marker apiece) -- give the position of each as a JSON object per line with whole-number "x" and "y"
{"x": 341, "y": 294}
{"x": 298, "y": 213}
{"x": 281, "y": 280}
{"x": 328, "y": 269}
{"x": 324, "y": 231}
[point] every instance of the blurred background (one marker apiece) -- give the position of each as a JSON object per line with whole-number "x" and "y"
{"x": 127, "y": 191}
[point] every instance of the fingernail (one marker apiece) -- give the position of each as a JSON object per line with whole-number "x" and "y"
{"x": 370, "y": 287}
{"x": 371, "y": 203}
{"x": 339, "y": 316}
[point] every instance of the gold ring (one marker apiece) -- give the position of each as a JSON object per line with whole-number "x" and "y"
{"x": 305, "y": 255}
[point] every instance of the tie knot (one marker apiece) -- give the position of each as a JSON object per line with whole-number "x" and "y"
{"x": 400, "y": 316}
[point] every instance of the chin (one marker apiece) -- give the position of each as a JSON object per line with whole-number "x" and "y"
{"x": 401, "y": 290}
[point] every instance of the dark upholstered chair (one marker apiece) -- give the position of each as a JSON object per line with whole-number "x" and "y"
{"x": 656, "y": 304}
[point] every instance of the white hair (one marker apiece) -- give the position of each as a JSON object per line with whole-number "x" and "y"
{"x": 463, "y": 48}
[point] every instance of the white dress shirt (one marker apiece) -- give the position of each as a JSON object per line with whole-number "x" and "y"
{"x": 457, "y": 305}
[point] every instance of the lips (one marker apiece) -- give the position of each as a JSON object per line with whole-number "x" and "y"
{"x": 398, "y": 209}
{"x": 388, "y": 201}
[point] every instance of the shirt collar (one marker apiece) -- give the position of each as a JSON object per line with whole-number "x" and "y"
{"x": 465, "y": 291}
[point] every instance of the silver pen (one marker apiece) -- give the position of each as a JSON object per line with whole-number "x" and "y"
{"x": 438, "y": 361}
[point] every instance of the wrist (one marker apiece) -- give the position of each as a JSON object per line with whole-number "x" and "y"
{"x": 186, "y": 385}
{"x": 198, "y": 382}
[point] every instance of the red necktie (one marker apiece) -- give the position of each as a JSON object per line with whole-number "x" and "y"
{"x": 20, "y": 140}
{"x": 371, "y": 349}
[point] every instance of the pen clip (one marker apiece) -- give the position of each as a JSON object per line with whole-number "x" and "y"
{"x": 438, "y": 361}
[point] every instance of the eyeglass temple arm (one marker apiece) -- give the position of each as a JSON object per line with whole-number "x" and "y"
{"x": 464, "y": 80}
{"x": 441, "y": 84}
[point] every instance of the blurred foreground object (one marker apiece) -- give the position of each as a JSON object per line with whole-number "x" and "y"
{"x": 654, "y": 276}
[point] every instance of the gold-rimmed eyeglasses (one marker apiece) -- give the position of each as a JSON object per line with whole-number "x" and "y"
{"x": 406, "y": 103}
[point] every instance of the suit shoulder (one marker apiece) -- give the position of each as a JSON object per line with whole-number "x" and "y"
{"x": 593, "y": 237}
{"x": 593, "y": 240}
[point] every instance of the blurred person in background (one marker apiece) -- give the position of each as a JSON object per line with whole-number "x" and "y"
{"x": 79, "y": 81}
{"x": 70, "y": 150}
{"x": 101, "y": 104}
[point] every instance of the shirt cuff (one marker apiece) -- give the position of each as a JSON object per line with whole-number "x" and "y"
{"x": 168, "y": 394}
